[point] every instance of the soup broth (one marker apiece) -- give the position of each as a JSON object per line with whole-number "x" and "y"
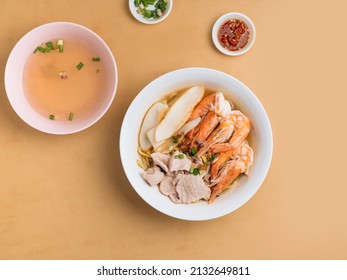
{"x": 64, "y": 85}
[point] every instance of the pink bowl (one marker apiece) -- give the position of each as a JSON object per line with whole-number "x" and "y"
{"x": 14, "y": 76}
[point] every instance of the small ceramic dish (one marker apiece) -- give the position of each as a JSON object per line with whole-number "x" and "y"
{"x": 14, "y": 73}
{"x": 226, "y": 41}
{"x": 135, "y": 11}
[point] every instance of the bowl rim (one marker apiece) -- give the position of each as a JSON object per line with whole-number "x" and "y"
{"x": 59, "y": 128}
{"x": 224, "y": 18}
{"x": 132, "y": 175}
{"x": 140, "y": 18}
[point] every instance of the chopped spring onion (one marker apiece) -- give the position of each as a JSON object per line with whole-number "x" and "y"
{"x": 40, "y": 49}
{"x": 151, "y": 8}
{"x": 161, "y": 4}
{"x": 52, "y": 117}
{"x": 211, "y": 158}
{"x": 50, "y": 45}
{"x": 151, "y": 2}
{"x": 95, "y": 58}
{"x": 193, "y": 151}
{"x": 71, "y": 116}
{"x": 194, "y": 170}
{"x": 180, "y": 156}
{"x": 79, "y": 65}
{"x": 60, "y": 46}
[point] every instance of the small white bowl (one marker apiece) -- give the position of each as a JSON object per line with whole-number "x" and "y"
{"x": 142, "y": 19}
{"x": 14, "y": 76}
{"x": 248, "y": 103}
{"x": 226, "y": 17}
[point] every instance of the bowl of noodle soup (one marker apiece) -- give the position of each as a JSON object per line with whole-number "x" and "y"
{"x": 260, "y": 139}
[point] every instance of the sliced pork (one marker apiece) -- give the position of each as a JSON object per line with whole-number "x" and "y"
{"x": 179, "y": 161}
{"x": 153, "y": 175}
{"x": 191, "y": 188}
{"x": 161, "y": 160}
{"x": 171, "y": 174}
{"x": 168, "y": 188}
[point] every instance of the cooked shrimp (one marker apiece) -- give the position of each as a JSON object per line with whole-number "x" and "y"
{"x": 221, "y": 134}
{"x": 214, "y": 102}
{"x": 243, "y": 149}
{"x": 242, "y": 126}
{"x": 232, "y": 169}
{"x": 216, "y": 165}
{"x": 208, "y": 124}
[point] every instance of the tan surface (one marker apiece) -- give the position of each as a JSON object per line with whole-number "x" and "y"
{"x": 67, "y": 197}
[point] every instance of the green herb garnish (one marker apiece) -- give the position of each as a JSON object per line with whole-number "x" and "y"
{"x": 52, "y": 117}
{"x": 60, "y": 46}
{"x": 174, "y": 139}
{"x": 95, "y": 58}
{"x": 194, "y": 170}
{"x": 180, "y": 156}
{"x": 193, "y": 151}
{"x": 161, "y": 4}
{"x": 156, "y": 11}
{"x": 79, "y": 65}
{"x": 211, "y": 158}
{"x": 40, "y": 49}
{"x": 50, "y": 45}
{"x": 70, "y": 116}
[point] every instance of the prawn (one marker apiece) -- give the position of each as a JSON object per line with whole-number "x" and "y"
{"x": 224, "y": 157}
{"x": 221, "y": 134}
{"x": 232, "y": 169}
{"x": 214, "y": 102}
{"x": 207, "y": 125}
{"x": 242, "y": 127}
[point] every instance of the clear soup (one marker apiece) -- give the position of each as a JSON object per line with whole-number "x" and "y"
{"x": 58, "y": 86}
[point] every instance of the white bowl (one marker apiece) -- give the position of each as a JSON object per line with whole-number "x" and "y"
{"x": 142, "y": 19}
{"x": 14, "y": 75}
{"x": 219, "y": 23}
{"x": 240, "y": 95}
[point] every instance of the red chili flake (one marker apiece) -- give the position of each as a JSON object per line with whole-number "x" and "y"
{"x": 233, "y": 34}
{"x": 232, "y": 42}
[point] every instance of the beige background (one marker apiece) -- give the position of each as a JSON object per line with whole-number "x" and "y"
{"x": 67, "y": 197}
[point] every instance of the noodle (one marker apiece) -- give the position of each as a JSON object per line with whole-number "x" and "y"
{"x": 145, "y": 159}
